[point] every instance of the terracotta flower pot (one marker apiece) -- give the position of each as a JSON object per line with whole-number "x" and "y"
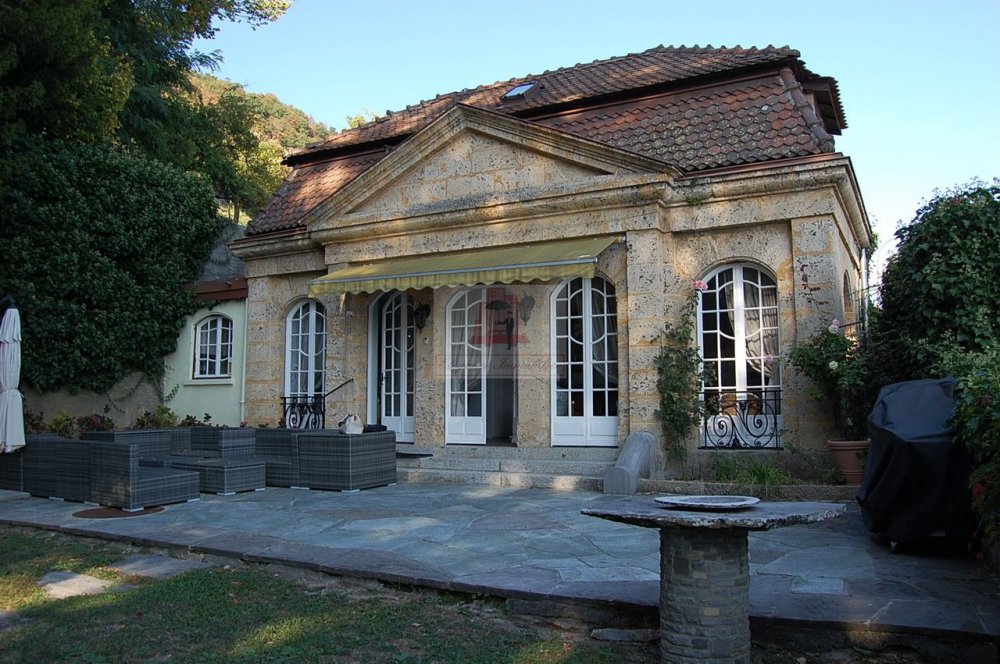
{"x": 848, "y": 456}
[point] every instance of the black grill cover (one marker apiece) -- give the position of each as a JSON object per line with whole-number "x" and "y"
{"x": 916, "y": 480}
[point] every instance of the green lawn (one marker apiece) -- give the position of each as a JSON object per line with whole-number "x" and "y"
{"x": 248, "y": 615}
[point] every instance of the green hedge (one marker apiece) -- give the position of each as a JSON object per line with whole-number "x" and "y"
{"x": 96, "y": 246}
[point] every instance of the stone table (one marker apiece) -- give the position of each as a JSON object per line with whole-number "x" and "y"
{"x": 705, "y": 570}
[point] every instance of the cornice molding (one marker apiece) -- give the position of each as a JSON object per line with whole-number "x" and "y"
{"x": 832, "y": 171}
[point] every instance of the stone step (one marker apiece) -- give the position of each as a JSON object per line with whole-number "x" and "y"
{"x": 559, "y": 468}
{"x": 554, "y": 467}
{"x": 513, "y": 480}
{"x": 535, "y": 466}
{"x": 601, "y": 454}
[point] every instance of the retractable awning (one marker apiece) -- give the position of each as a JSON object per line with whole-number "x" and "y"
{"x": 522, "y": 263}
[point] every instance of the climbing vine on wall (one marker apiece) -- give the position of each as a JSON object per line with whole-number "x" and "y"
{"x": 678, "y": 382}
{"x": 96, "y": 246}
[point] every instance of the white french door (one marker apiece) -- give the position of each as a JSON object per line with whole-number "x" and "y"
{"x": 396, "y": 337}
{"x": 585, "y": 363}
{"x": 465, "y": 415}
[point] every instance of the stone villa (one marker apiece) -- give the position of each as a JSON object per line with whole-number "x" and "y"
{"x": 494, "y": 267}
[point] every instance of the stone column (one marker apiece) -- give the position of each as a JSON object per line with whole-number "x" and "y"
{"x": 645, "y": 306}
{"x": 704, "y": 595}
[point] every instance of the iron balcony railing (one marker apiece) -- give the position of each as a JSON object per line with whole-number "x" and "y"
{"x": 741, "y": 420}
{"x": 307, "y": 411}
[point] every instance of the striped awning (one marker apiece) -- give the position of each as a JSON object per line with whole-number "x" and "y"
{"x": 541, "y": 261}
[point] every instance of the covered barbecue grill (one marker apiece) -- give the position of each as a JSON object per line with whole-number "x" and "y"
{"x": 916, "y": 480}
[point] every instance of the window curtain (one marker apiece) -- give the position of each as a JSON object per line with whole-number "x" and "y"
{"x": 604, "y": 339}
{"x": 760, "y": 342}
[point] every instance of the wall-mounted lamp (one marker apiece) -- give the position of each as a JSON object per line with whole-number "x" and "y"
{"x": 525, "y": 306}
{"x": 420, "y": 315}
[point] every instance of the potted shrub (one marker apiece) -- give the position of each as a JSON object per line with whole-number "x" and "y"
{"x": 840, "y": 368}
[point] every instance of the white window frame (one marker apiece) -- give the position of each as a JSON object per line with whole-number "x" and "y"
{"x": 213, "y": 347}
{"x": 587, "y": 429}
{"x": 763, "y": 364}
{"x": 305, "y": 350}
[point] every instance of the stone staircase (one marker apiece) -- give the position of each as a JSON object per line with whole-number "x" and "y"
{"x": 560, "y": 468}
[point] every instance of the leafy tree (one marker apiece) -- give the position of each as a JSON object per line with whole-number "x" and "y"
{"x": 156, "y": 38}
{"x": 110, "y": 169}
{"x": 241, "y": 139}
{"x": 278, "y": 123}
{"x": 361, "y": 119}
{"x": 942, "y": 287}
{"x": 96, "y": 245}
{"x": 60, "y": 75}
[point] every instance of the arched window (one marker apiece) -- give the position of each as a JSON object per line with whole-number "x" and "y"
{"x": 738, "y": 339}
{"x": 585, "y": 363}
{"x": 213, "y": 352}
{"x": 305, "y": 350}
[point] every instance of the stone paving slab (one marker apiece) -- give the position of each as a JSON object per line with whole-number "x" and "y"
{"x": 156, "y": 566}
{"x": 534, "y": 547}
{"x": 62, "y": 584}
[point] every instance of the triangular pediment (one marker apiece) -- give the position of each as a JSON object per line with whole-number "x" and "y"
{"x": 469, "y": 155}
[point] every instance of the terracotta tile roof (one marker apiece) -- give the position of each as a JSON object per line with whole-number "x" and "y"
{"x": 717, "y": 124}
{"x": 306, "y": 187}
{"x": 655, "y": 67}
{"x": 741, "y": 123}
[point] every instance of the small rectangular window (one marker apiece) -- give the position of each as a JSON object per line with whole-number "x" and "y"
{"x": 518, "y": 90}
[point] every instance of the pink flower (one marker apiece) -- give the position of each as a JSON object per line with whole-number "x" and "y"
{"x": 698, "y": 284}
{"x": 834, "y": 326}
{"x": 768, "y": 359}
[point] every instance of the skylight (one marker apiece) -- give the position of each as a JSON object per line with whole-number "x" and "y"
{"x": 518, "y": 90}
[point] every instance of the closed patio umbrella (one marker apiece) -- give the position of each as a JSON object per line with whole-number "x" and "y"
{"x": 11, "y": 412}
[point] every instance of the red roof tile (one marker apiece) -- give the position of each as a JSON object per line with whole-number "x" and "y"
{"x": 739, "y": 123}
{"x": 718, "y": 124}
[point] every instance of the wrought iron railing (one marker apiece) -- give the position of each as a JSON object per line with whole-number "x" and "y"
{"x": 307, "y": 411}
{"x": 304, "y": 411}
{"x": 738, "y": 420}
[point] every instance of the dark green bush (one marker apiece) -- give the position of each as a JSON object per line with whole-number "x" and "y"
{"x": 161, "y": 418}
{"x": 96, "y": 246}
{"x": 977, "y": 426}
{"x": 944, "y": 282}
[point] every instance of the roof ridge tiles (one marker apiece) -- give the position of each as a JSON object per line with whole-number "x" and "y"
{"x": 565, "y": 85}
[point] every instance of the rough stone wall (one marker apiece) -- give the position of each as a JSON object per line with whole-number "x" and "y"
{"x": 124, "y": 402}
{"x": 792, "y": 221}
{"x": 274, "y": 286}
{"x": 468, "y": 166}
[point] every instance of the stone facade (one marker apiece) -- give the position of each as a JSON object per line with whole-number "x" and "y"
{"x": 475, "y": 179}
{"x": 788, "y": 220}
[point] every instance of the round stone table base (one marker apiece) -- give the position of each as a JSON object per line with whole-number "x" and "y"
{"x": 704, "y": 595}
{"x": 705, "y": 570}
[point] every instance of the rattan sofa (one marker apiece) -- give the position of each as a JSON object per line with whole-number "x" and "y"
{"x": 56, "y": 467}
{"x": 336, "y": 461}
{"x": 11, "y": 474}
{"x": 118, "y": 480}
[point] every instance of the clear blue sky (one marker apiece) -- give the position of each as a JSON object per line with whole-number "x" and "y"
{"x": 919, "y": 79}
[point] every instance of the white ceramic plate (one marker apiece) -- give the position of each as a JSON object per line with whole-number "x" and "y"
{"x": 708, "y": 503}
